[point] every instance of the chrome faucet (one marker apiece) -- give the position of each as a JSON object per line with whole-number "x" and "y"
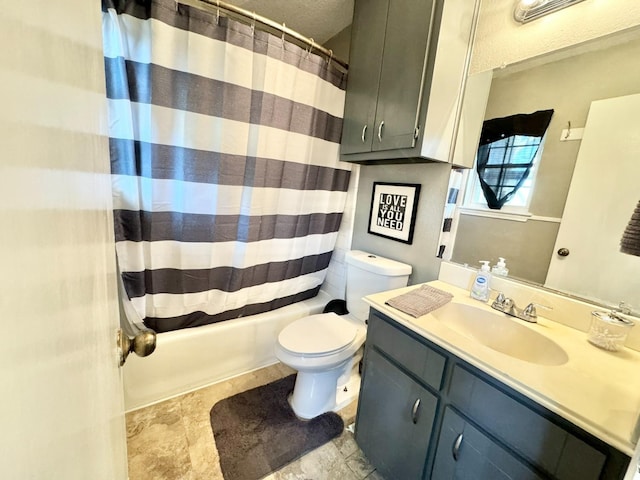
{"x": 504, "y": 304}
{"x": 507, "y": 305}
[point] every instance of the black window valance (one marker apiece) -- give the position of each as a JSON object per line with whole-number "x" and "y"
{"x": 507, "y": 149}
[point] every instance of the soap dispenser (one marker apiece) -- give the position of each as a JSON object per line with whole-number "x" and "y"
{"x": 480, "y": 288}
{"x": 500, "y": 268}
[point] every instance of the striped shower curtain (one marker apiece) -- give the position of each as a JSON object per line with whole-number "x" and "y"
{"x": 227, "y": 186}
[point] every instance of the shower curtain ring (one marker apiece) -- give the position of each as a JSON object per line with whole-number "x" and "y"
{"x": 218, "y": 12}
{"x": 253, "y": 25}
{"x": 310, "y": 47}
{"x": 330, "y": 57}
{"x": 284, "y": 28}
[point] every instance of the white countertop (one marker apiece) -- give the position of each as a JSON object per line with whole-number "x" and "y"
{"x": 595, "y": 389}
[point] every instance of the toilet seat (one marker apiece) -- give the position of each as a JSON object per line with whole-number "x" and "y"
{"x": 318, "y": 335}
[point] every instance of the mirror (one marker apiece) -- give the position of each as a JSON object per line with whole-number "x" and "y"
{"x": 566, "y": 81}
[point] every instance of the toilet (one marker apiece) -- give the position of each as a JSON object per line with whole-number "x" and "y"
{"x": 325, "y": 348}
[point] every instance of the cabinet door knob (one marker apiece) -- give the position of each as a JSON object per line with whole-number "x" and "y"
{"x": 364, "y": 132}
{"x": 563, "y": 252}
{"x": 455, "y": 449}
{"x": 414, "y": 411}
{"x": 380, "y": 130}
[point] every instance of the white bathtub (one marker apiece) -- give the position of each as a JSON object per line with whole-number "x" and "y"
{"x": 192, "y": 358}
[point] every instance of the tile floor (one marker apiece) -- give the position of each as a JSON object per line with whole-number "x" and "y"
{"x": 173, "y": 440}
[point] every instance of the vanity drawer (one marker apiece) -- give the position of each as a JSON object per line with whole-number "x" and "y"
{"x": 412, "y": 354}
{"x": 536, "y": 438}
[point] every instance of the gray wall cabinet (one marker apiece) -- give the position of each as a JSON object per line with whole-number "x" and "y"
{"x": 407, "y": 72}
{"x": 425, "y": 413}
{"x": 388, "y": 52}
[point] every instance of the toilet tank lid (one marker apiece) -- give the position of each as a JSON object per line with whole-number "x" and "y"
{"x": 377, "y": 264}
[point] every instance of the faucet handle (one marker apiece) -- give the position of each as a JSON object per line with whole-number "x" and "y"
{"x": 531, "y": 312}
{"x": 499, "y": 301}
{"x": 503, "y": 304}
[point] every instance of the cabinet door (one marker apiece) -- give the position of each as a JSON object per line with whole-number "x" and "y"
{"x": 403, "y": 69}
{"x": 465, "y": 453}
{"x": 544, "y": 443}
{"x": 395, "y": 419}
{"x": 367, "y": 41}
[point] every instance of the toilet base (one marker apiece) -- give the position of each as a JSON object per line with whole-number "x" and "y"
{"x": 348, "y": 392}
{"x": 314, "y": 393}
{"x": 318, "y": 392}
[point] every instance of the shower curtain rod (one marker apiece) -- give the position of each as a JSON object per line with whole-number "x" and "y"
{"x": 219, "y": 7}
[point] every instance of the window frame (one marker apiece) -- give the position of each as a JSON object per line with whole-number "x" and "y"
{"x": 475, "y": 203}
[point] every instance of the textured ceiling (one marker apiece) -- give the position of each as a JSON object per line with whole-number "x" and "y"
{"x": 317, "y": 19}
{"x": 502, "y": 41}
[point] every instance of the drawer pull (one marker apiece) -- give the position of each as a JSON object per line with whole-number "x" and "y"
{"x": 364, "y": 133}
{"x": 455, "y": 450}
{"x": 380, "y": 131}
{"x": 414, "y": 411}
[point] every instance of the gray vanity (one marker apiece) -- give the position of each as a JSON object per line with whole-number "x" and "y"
{"x": 426, "y": 413}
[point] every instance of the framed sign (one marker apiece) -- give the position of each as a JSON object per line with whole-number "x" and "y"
{"x": 393, "y": 210}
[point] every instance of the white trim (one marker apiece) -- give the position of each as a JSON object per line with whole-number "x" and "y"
{"x": 540, "y": 218}
{"x": 506, "y": 215}
{"x": 517, "y": 217}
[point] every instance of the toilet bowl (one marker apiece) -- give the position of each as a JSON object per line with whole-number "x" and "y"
{"x": 322, "y": 348}
{"x": 326, "y": 348}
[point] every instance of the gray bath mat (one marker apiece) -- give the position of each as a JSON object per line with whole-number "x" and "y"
{"x": 256, "y": 432}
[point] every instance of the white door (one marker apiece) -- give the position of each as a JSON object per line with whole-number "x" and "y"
{"x": 605, "y": 189}
{"x": 61, "y": 413}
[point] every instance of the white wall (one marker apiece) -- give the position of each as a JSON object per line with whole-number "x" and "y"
{"x": 501, "y": 40}
{"x": 62, "y": 407}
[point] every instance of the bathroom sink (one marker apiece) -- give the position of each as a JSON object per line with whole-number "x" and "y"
{"x": 501, "y": 333}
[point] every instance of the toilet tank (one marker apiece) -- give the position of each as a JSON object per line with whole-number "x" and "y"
{"x": 367, "y": 274}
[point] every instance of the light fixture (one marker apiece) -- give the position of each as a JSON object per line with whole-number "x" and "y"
{"x": 630, "y": 242}
{"x": 528, "y": 10}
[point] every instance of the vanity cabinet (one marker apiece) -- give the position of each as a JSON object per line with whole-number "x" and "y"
{"x": 425, "y": 413}
{"x": 400, "y": 413}
{"x": 407, "y": 72}
{"x": 398, "y": 401}
{"x": 550, "y": 446}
